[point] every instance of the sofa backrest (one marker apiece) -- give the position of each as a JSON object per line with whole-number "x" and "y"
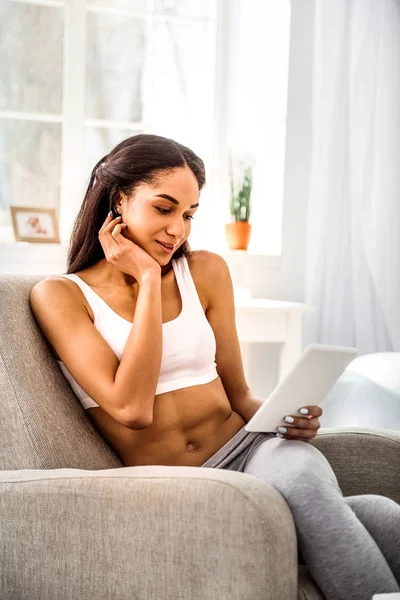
{"x": 42, "y": 423}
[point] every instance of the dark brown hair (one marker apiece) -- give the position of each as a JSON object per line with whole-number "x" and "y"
{"x": 139, "y": 159}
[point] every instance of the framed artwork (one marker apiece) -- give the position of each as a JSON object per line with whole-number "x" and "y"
{"x": 31, "y": 224}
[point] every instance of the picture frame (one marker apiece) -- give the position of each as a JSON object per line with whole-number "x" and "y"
{"x": 35, "y": 224}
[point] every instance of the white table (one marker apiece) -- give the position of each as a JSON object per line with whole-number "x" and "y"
{"x": 270, "y": 321}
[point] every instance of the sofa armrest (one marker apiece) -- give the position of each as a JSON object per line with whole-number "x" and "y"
{"x": 144, "y": 532}
{"x": 365, "y": 461}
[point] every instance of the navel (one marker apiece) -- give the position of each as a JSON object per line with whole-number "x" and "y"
{"x": 191, "y": 446}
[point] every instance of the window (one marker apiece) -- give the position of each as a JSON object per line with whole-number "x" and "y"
{"x": 77, "y": 77}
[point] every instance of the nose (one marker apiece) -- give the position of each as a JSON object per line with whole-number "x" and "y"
{"x": 176, "y": 228}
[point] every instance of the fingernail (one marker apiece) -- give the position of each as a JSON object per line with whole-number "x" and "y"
{"x": 109, "y": 214}
{"x": 303, "y": 411}
{"x": 280, "y": 435}
{"x": 289, "y": 419}
{"x": 282, "y": 429}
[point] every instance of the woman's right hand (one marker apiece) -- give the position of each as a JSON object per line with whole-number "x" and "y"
{"x": 125, "y": 254}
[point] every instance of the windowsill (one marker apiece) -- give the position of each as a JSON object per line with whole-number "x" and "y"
{"x": 31, "y": 255}
{"x": 267, "y": 259}
{"x": 27, "y": 257}
{"x": 19, "y": 249}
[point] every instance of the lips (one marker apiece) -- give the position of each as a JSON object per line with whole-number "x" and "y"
{"x": 167, "y": 245}
{"x": 164, "y": 248}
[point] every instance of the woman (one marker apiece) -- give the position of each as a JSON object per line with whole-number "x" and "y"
{"x": 144, "y": 330}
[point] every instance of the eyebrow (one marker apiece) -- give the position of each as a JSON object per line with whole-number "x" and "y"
{"x": 171, "y": 199}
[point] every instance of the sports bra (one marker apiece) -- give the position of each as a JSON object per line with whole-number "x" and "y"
{"x": 188, "y": 342}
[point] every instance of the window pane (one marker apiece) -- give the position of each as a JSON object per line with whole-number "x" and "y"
{"x": 267, "y": 192}
{"x": 180, "y": 74}
{"x": 100, "y": 141}
{"x": 200, "y": 9}
{"x": 115, "y": 55}
{"x": 29, "y": 166}
{"x": 31, "y": 39}
{"x": 179, "y": 96}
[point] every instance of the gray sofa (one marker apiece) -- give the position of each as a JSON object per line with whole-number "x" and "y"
{"x": 76, "y": 524}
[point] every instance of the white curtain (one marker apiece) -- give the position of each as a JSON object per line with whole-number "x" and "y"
{"x": 353, "y": 236}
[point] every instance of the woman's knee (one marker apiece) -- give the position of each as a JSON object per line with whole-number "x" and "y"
{"x": 291, "y": 463}
{"x": 369, "y": 506}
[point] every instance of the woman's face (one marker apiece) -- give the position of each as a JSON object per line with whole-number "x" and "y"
{"x": 161, "y": 213}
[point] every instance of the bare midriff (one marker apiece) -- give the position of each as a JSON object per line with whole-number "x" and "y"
{"x": 189, "y": 426}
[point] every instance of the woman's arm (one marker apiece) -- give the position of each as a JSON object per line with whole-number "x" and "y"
{"x": 215, "y": 280}
{"x": 139, "y": 369}
{"x": 217, "y": 283}
{"x": 124, "y": 389}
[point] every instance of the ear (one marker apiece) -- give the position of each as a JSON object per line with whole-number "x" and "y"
{"x": 119, "y": 203}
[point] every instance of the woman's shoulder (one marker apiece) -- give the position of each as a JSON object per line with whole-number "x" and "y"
{"x": 207, "y": 264}
{"x": 206, "y": 259}
{"x": 210, "y": 272}
{"x": 53, "y": 284}
{"x": 56, "y": 291}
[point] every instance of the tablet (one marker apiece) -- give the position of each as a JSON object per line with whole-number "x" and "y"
{"x": 308, "y": 382}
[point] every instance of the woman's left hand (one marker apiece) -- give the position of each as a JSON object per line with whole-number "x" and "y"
{"x": 301, "y": 427}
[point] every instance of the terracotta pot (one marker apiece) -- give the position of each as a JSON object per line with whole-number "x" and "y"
{"x": 238, "y": 235}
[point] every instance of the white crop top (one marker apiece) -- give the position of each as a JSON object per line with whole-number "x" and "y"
{"x": 188, "y": 342}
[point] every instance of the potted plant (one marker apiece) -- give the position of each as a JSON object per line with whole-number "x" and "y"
{"x": 241, "y": 180}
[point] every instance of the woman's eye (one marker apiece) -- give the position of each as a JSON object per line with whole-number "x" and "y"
{"x": 165, "y": 211}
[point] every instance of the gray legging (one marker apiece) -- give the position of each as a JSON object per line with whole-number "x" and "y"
{"x": 351, "y": 545}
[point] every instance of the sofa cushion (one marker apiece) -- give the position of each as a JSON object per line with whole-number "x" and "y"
{"x": 365, "y": 461}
